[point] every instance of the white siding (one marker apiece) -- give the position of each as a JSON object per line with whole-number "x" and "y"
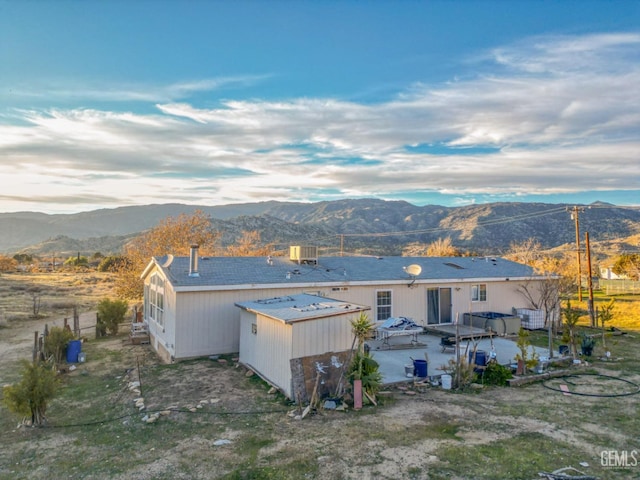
{"x": 272, "y": 351}
{"x": 248, "y": 340}
{"x": 501, "y": 297}
{"x": 210, "y": 321}
{"x": 315, "y": 337}
{"x": 405, "y": 301}
{"x": 411, "y": 302}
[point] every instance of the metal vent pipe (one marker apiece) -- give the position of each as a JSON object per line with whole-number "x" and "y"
{"x": 193, "y": 261}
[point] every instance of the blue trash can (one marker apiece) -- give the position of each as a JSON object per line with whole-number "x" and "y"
{"x": 73, "y": 349}
{"x": 420, "y": 368}
{"x": 481, "y": 358}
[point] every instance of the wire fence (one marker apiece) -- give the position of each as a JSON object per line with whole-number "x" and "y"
{"x": 617, "y": 287}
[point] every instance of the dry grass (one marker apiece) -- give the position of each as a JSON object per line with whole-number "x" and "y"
{"x": 626, "y": 310}
{"x": 57, "y": 292}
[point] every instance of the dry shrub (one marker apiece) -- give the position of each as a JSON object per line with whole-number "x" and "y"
{"x": 68, "y": 305}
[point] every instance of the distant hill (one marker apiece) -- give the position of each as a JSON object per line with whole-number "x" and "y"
{"x": 363, "y": 225}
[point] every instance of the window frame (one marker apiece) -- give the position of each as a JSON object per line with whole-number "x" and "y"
{"x": 155, "y": 291}
{"x": 380, "y": 306}
{"x": 479, "y": 292}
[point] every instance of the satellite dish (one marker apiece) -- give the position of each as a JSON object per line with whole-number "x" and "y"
{"x": 168, "y": 261}
{"x": 413, "y": 270}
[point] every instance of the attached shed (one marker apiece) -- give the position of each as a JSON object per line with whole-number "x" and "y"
{"x": 274, "y": 331}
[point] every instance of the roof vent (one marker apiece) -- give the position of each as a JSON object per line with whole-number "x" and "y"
{"x": 193, "y": 261}
{"x": 302, "y": 254}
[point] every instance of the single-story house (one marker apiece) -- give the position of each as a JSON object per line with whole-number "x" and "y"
{"x": 275, "y": 331}
{"x": 191, "y": 303}
{"x": 607, "y": 273}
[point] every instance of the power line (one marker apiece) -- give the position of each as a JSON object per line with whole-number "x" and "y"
{"x": 497, "y": 221}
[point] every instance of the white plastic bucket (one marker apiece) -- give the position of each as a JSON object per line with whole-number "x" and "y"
{"x": 446, "y": 382}
{"x": 408, "y": 370}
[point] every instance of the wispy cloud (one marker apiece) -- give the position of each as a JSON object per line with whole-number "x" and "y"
{"x": 547, "y": 115}
{"x": 70, "y": 91}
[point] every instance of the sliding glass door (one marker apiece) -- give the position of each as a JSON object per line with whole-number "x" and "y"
{"x": 439, "y": 306}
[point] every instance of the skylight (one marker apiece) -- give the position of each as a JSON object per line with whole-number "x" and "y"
{"x": 454, "y": 265}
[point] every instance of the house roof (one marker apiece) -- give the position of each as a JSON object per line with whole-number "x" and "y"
{"x": 251, "y": 272}
{"x": 295, "y": 308}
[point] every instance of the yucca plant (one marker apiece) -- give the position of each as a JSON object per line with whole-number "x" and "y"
{"x": 361, "y": 328}
{"x": 363, "y": 367}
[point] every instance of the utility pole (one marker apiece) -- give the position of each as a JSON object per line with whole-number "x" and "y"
{"x": 592, "y": 316}
{"x": 575, "y": 216}
{"x": 341, "y": 245}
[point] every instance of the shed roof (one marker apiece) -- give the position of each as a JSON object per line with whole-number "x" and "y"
{"x": 280, "y": 271}
{"x": 299, "y": 307}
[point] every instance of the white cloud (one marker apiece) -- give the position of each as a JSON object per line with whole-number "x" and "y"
{"x": 561, "y": 115}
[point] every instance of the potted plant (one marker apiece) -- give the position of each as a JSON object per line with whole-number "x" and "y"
{"x": 586, "y": 345}
{"x": 563, "y": 348}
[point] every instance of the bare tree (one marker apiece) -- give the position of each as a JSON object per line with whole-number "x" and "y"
{"x": 249, "y": 245}
{"x": 527, "y": 252}
{"x": 558, "y": 283}
{"x": 36, "y": 300}
{"x": 544, "y": 296}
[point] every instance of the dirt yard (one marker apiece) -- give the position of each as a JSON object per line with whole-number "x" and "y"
{"x": 213, "y": 421}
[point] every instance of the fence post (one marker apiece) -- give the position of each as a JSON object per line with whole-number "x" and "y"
{"x": 35, "y": 346}
{"x": 76, "y": 322}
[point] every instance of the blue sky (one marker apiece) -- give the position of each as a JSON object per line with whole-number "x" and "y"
{"x": 113, "y": 103}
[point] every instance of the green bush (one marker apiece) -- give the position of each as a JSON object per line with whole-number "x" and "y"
{"x": 32, "y": 394}
{"x": 364, "y": 367}
{"x": 76, "y": 261}
{"x": 23, "y": 258}
{"x": 113, "y": 263}
{"x": 496, "y": 374}
{"x": 56, "y": 342}
{"x": 110, "y": 315}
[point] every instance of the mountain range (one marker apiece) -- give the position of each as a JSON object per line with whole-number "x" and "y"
{"x": 369, "y": 226}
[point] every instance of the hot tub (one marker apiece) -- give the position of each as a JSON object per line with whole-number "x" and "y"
{"x": 499, "y": 323}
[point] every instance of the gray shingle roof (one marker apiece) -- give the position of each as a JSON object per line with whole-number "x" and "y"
{"x": 293, "y": 308}
{"x": 235, "y": 271}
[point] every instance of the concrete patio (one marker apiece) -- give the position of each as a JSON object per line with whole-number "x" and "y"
{"x": 400, "y": 352}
